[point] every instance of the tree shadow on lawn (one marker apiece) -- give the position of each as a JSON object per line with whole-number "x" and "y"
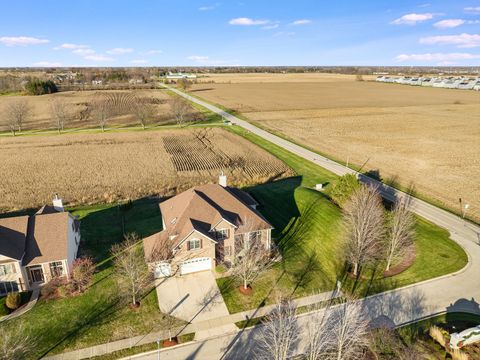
{"x": 103, "y": 228}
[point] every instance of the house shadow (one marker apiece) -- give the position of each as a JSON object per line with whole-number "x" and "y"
{"x": 103, "y": 228}
{"x": 462, "y": 306}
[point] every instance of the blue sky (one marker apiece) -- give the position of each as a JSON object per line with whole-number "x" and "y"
{"x": 245, "y": 32}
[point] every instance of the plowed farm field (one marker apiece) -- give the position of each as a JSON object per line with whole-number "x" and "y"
{"x": 91, "y": 168}
{"x": 427, "y": 138}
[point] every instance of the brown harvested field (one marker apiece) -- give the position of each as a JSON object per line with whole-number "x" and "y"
{"x": 428, "y": 137}
{"x": 91, "y": 168}
{"x": 78, "y": 102}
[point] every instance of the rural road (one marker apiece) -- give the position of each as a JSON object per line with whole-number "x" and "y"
{"x": 454, "y": 292}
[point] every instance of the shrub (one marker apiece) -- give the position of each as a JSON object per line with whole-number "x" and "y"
{"x": 344, "y": 188}
{"x": 40, "y": 87}
{"x": 13, "y": 300}
{"x": 81, "y": 274}
{"x": 437, "y": 335}
{"x": 50, "y": 289}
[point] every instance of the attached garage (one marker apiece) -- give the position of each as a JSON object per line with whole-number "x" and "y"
{"x": 194, "y": 265}
{"x": 163, "y": 270}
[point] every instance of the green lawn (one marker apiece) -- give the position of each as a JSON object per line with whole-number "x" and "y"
{"x": 98, "y": 315}
{"x": 3, "y": 309}
{"x": 308, "y": 231}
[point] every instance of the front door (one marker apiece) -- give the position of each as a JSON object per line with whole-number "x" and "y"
{"x": 36, "y": 274}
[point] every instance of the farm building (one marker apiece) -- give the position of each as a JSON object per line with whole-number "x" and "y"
{"x": 180, "y": 75}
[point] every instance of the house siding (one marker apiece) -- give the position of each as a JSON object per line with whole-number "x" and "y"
{"x": 183, "y": 254}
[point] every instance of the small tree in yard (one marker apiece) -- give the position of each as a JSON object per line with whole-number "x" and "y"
{"x": 280, "y": 332}
{"x": 180, "y": 110}
{"x": 365, "y": 228}
{"x": 60, "y": 113}
{"x": 400, "y": 233}
{"x": 251, "y": 262}
{"x": 130, "y": 267}
{"x": 82, "y": 274}
{"x": 144, "y": 110}
{"x": 16, "y": 113}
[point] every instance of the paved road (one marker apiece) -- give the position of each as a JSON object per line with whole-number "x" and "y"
{"x": 454, "y": 292}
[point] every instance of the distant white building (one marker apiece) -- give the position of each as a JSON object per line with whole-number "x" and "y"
{"x": 97, "y": 82}
{"x": 180, "y": 75}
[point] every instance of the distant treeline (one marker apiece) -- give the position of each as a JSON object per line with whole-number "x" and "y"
{"x": 40, "y": 87}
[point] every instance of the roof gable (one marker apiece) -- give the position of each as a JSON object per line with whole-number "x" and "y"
{"x": 13, "y": 235}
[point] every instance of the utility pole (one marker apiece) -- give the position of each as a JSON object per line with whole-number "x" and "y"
{"x": 158, "y": 349}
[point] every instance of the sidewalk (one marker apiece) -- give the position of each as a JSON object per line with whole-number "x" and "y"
{"x": 212, "y": 327}
{"x": 22, "y": 310}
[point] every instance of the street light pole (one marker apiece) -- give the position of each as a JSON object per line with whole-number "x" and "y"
{"x": 158, "y": 349}
{"x": 465, "y": 208}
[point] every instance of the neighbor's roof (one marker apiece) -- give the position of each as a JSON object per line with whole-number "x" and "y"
{"x": 13, "y": 232}
{"x": 201, "y": 208}
{"x": 47, "y": 238}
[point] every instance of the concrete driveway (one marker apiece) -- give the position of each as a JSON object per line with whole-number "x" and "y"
{"x": 194, "y": 297}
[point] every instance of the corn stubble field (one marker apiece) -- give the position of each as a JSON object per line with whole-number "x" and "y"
{"x": 79, "y": 105}
{"x": 425, "y": 137}
{"x": 92, "y": 168}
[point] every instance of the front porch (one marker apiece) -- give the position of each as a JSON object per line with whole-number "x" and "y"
{"x": 40, "y": 274}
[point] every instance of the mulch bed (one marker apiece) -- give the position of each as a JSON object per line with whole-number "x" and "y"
{"x": 247, "y": 291}
{"x": 407, "y": 261}
{"x": 169, "y": 343}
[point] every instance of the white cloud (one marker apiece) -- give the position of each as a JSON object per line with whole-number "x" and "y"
{"x": 21, "y": 41}
{"x": 436, "y": 57}
{"x": 461, "y": 41}
{"x": 83, "y": 52}
{"x": 47, "y": 64}
{"x": 472, "y": 9}
{"x": 98, "y": 57}
{"x": 152, "y": 52}
{"x": 270, "y": 27}
{"x": 198, "y": 58}
{"x": 139, "y": 61}
{"x": 71, "y": 46}
{"x": 301, "y": 22}
{"x": 449, "y": 23}
{"x": 119, "y": 51}
{"x": 412, "y": 19}
{"x": 244, "y": 21}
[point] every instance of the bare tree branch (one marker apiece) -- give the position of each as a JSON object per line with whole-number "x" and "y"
{"x": 130, "y": 267}
{"x": 144, "y": 110}
{"x": 16, "y": 113}
{"x": 15, "y": 344}
{"x": 60, "y": 113}
{"x": 364, "y": 223}
{"x": 180, "y": 109}
{"x": 280, "y": 332}
{"x": 401, "y": 232}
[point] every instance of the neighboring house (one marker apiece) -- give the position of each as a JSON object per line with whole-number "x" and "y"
{"x": 204, "y": 226}
{"x": 97, "y": 82}
{"x": 33, "y": 249}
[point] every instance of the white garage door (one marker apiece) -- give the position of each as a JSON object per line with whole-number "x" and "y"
{"x": 194, "y": 265}
{"x": 163, "y": 270}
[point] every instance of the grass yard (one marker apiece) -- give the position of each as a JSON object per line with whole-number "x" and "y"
{"x": 98, "y": 315}
{"x": 308, "y": 228}
{"x": 3, "y": 309}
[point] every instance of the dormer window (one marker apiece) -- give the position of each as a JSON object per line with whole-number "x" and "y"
{"x": 194, "y": 244}
{"x": 222, "y": 234}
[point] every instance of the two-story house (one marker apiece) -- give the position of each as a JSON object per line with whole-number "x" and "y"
{"x": 204, "y": 226}
{"x": 33, "y": 249}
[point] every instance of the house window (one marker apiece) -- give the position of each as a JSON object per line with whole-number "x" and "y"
{"x": 5, "y": 270}
{"x": 194, "y": 244}
{"x": 222, "y": 234}
{"x": 56, "y": 268}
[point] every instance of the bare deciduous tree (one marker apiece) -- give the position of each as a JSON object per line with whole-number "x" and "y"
{"x": 60, "y": 113}
{"x": 102, "y": 111}
{"x": 400, "y": 233}
{"x": 280, "y": 332}
{"x": 184, "y": 84}
{"x": 180, "y": 110}
{"x": 144, "y": 110}
{"x": 365, "y": 228}
{"x": 14, "y": 343}
{"x": 348, "y": 330}
{"x": 16, "y": 113}
{"x": 130, "y": 267}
